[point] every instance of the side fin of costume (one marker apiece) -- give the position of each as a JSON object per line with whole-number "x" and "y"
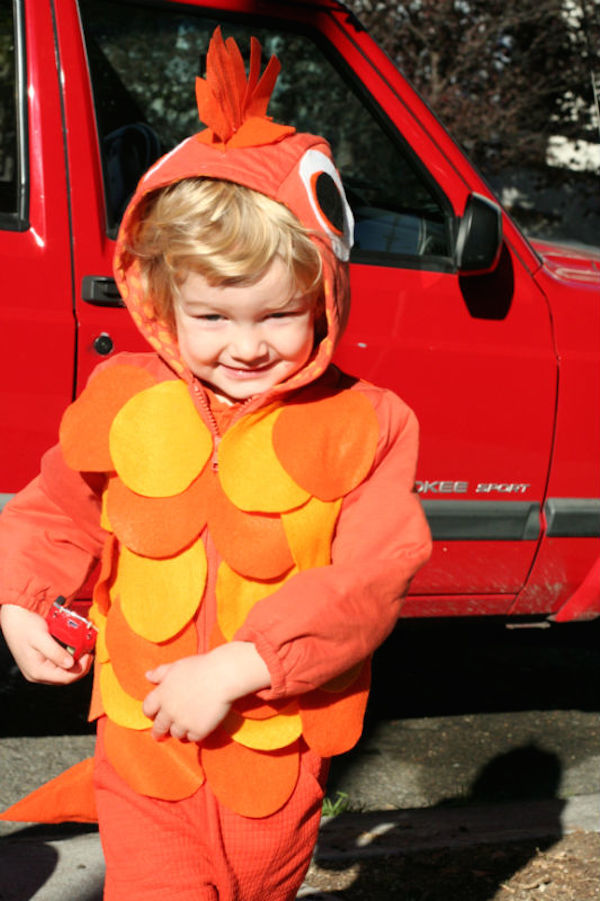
{"x": 68, "y": 797}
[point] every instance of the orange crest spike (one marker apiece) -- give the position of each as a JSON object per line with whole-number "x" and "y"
{"x": 254, "y": 73}
{"x": 233, "y": 106}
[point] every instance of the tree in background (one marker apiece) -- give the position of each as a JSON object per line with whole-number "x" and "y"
{"x": 511, "y": 80}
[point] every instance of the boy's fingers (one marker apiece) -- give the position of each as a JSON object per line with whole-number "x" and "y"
{"x": 158, "y": 674}
{"x": 54, "y": 652}
{"x": 40, "y": 670}
{"x": 84, "y": 663}
{"x": 161, "y": 726}
{"x": 151, "y": 705}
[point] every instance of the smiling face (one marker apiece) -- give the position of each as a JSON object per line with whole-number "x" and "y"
{"x": 243, "y": 339}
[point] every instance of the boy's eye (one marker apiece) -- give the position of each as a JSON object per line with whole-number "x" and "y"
{"x": 286, "y": 314}
{"x": 209, "y": 317}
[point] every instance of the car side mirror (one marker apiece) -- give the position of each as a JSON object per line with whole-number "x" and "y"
{"x": 479, "y": 238}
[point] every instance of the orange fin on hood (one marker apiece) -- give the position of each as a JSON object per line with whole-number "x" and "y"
{"x": 233, "y": 107}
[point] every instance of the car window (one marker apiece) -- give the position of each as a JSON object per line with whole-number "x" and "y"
{"x": 11, "y": 195}
{"x": 143, "y": 65}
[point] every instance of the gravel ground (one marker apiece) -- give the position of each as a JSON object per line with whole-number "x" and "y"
{"x": 563, "y": 869}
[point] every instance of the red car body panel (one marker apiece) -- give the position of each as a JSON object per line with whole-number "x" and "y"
{"x": 508, "y": 403}
{"x": 37, "y": 326}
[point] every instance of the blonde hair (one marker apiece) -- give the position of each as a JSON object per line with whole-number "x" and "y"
{"x": 226, "y": 232}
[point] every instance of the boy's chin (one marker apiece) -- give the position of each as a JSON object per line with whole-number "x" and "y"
{"x": 234, "y": 390}
{"x": 235, "y": 394}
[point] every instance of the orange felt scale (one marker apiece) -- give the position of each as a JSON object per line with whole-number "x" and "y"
{"x": 132, "y": 656}
{"x": 158, "y": 443}
{"x": 96, "y": 706}
{"x": 309, "y": 531}
{"x": 100, "y": 595}
{"x": 236, "y": 596}
{"x": 251, "y": 783}
{"x": 99, "y": 620}
{"x": 344, "y": 680}
{"x": 85, "y": 425}
{"x": 172, "y": 590}
{"x": 68, "y": 797}
{"x": 265, "y": 734}
{"x": 156, "y": 526}
{"x": 338, "y": 449}
{"x": 332, "y": 724}
{"x": 251, "y": 475}
{"x": 216, "y": 637}
{"x": 252, "y": 544}
{"x": 168, "y": 769}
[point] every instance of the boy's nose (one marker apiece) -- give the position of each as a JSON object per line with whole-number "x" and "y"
{"x": 248, "y": 346}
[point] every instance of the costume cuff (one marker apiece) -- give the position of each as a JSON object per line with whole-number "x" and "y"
{"x": 35, "y": 601}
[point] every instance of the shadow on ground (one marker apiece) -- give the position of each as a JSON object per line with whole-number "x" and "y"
{"x": 445, "y": 668}
{"x": 31, "y": 858}
{"x": 488, "y": 836}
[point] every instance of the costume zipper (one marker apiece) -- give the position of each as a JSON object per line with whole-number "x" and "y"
{"x": 201, "y": 397}
{"x": 203, "y": 402}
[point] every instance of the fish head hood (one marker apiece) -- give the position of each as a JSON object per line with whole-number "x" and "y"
{"x": 243, "y": 145}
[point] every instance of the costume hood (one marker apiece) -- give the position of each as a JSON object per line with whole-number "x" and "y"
{"x": 243, "y": 145}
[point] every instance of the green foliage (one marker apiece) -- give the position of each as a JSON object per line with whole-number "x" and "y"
{"x": 503, "y": 75}
{"x": 512, "y": 82}
{"x": 333, "y": 807}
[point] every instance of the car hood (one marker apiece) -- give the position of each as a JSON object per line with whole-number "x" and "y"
{"x": 570, "y": 262}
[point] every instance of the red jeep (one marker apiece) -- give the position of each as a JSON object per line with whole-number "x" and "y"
{"x": 493, "y": 342}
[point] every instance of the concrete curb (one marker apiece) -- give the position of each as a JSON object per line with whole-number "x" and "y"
{"x": 58, "y": 863}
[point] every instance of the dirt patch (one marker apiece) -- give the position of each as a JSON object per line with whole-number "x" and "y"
{"x": 567, "y": 869}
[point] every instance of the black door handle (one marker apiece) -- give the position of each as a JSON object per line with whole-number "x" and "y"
{"x": 101, "y": 291}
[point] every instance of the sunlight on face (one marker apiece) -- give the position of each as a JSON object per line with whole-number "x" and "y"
{"x": 243, "y": 339}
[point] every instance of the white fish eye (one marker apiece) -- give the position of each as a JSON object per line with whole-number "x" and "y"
{"x": 328, "y": 200}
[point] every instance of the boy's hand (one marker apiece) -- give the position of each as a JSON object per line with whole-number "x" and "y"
{"x": 194, "y": 694}
{"x": 39, "y": 657}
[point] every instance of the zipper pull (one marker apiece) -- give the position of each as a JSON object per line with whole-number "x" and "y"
{"x": 215, "y": 454}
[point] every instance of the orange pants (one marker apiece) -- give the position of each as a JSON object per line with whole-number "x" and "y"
{"x": 197, "y": 850}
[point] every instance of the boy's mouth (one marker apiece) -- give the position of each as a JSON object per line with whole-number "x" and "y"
{"x": 246, "y": 372}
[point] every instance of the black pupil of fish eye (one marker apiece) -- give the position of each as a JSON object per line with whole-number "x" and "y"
{"x": 330, "y": 200}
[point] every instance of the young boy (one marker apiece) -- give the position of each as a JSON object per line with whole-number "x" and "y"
{"x": 252, "y": 507}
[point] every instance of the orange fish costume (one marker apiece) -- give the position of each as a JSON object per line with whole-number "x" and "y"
{"x": 289, "y": 522}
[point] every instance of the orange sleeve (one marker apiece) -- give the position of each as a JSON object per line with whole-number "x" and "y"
{"x": 323, "y": 621}
{"x": 50, "y": 535}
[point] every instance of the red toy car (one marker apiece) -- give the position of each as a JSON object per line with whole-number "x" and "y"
{"x": 75, "y": 632}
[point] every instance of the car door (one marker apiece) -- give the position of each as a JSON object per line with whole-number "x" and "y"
{"x": 472, "y": 354}
{"x": 37, "y": 323}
